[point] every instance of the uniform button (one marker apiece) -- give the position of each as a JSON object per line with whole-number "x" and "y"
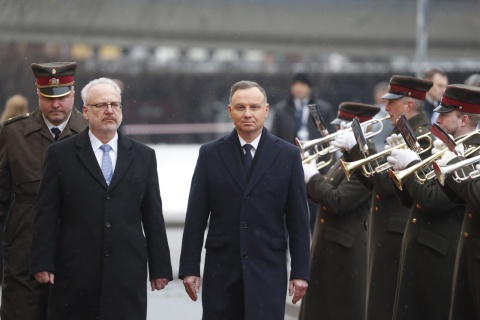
{"x": 324, "y": 208}
{"x": 377, "y": 197}
{"x": 376, "y": 209}
{"x": 414, "y": 220}
{"x": 245, "y": 256}
{"x": 465, "y": 234}
{"x": 244, "y": 225}
{"x": 322, "y": 220}
{"x": 331, "y": 179}
{"x": 107, "y": 224}
{"x": 108, "y": 197}
{"x": 418, "y": 206}
{"x": 245, "y": 197}
{"x": 107, "y": 253}
{"x": 469, "y": 216}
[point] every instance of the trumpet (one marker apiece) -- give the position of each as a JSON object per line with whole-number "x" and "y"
{"x": 442, "y": 172}
{"x": 307, "y": 145}
{"x": 350, "y": 167}
{"x": 399, "y": 177}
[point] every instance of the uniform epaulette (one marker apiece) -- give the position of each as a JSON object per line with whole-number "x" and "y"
{"x": 16, "y": 118}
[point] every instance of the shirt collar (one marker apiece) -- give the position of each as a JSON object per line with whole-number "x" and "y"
{"x": 61, "y": 126}
{"x": 96, "y": 144}
{"x": 254, "y": 143}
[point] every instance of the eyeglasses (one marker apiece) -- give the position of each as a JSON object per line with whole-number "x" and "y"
{"x": 102, "y": 106}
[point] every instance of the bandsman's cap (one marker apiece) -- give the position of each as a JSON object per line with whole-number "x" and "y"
{"x": 460, "y": 97}
{"x": 54, "y": 79}
{"x": 406, "y": 86}
{"x": 347, "y": 111}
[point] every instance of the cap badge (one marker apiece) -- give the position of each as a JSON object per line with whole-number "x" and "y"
{"x": 54, "y": 81}
{"x": 54, "y": 71}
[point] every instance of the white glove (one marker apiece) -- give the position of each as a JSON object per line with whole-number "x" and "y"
{"x": 344, "y": 125}
{"x": 447, "y": 156}
{"x": 394, "y": 140}
{"x": 460, "y": 149}
{"x": 438, "y": 146}
{"x": 478, "y": 167}
{"x": 345, "y": 141}
{"x": 399, "y": 159}
{"x": 309, "y": 170}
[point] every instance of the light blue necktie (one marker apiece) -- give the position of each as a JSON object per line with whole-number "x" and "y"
{"x": 107, "y": 168}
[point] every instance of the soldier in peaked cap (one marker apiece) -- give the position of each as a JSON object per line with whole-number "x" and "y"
{"x": 23, "y": 144}
{"x": 459, "y": 111}
{"x": 340, "y": 235}
{"x": 389, "y": 213}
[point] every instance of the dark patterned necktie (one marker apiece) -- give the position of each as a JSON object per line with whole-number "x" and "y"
{"x": 248, "y": 156}
{"x": 56, "y": 132}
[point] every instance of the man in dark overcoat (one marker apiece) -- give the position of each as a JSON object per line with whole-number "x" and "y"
{"x": 249, "y": 206}
{"x": 99, "y": 228}
{"x": 23, "y": 144}
{"x": 388, "y": 216}
{"x": 431, "y": 236}
{"x": 339, "y": 244}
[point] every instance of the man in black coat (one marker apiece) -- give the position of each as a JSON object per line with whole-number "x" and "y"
{"x": 291, "y": 118}
{"x": 249, "y": 197}
{"x": 98, "y": 218}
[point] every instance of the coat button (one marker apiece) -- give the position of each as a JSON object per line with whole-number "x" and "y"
{"x": 107, "y": 224}
{"x": 418, "y": 206}
{"x": 465, "y": 234}
{"x": 107, "y": 253}
{"x": 414, "y": 220}
{"x": 322, "y": 221}
{"x": 245, "y": 255}
{"x": 376, "y": 209}
{"x": 469, "y": 216}
{"x": 108, "y": 197}
{"x": 377, "y": 197}
{"x": 244, "y": 225}
{"x": 324, "y": 208}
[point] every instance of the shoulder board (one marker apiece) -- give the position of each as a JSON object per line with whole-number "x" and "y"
{"x": 16, "y": 118}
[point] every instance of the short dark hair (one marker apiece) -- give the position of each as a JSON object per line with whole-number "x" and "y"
{"x": 429, "y": 73}
{"x": 246, "y": 84}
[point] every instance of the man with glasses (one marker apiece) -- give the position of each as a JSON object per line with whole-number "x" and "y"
{"x": 23, "y": 143}
{"x": 98, "y": 218}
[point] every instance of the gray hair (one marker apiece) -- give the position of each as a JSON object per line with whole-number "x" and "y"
{"x": 245, "y": 84}
{"x": 86, "y": 90}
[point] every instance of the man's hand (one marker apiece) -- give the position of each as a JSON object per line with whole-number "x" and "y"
{"x": 297, "y": 288}
{"x": 44, "y": 277}
{"x": 192, "y": 286}
{"x": 159, "y": 283}
{"x": 399, "y": 159}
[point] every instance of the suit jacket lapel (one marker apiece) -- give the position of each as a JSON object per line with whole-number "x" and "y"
{"x": 266, "y": 155}
{"x": 229, "y": 152}
{"x": 86, "y": 155}
{"x": 124, "y": 159}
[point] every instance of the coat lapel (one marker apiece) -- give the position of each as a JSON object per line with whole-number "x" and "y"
{"x": 124, "y": 159}
{"x": 87, "y": 157}
{"x": 229, "y": 152}
{"x": 266, "y": 155}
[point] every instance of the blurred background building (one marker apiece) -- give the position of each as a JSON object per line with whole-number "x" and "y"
{"x": 178, "y": 58}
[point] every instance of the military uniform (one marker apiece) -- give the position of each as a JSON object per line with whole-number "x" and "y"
{"x": 388, "y": 216}
{"x": 23, "y": 144}
{"x": 339, "y": 245}
{"x": 465, "y": 301}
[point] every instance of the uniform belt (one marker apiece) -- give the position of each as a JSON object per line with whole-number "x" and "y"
{"x": 27, "y": 199}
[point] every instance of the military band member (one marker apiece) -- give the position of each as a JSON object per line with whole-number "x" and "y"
{"x": 465, "y": 100}
{"x": 339, "y": 244}
{"x": 388, "y": 217}
{"x": 430, "y": 240}
{"x": 23, "y": 144}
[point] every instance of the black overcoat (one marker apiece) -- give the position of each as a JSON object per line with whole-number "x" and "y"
{"x": 96, "y": 238}
{"x": 248, "y": 223}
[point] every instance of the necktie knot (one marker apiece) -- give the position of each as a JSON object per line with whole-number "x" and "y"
{"x": 248, "y": 156}
{"x": 107, "y": 167}
{"x": 56, "y": 133}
